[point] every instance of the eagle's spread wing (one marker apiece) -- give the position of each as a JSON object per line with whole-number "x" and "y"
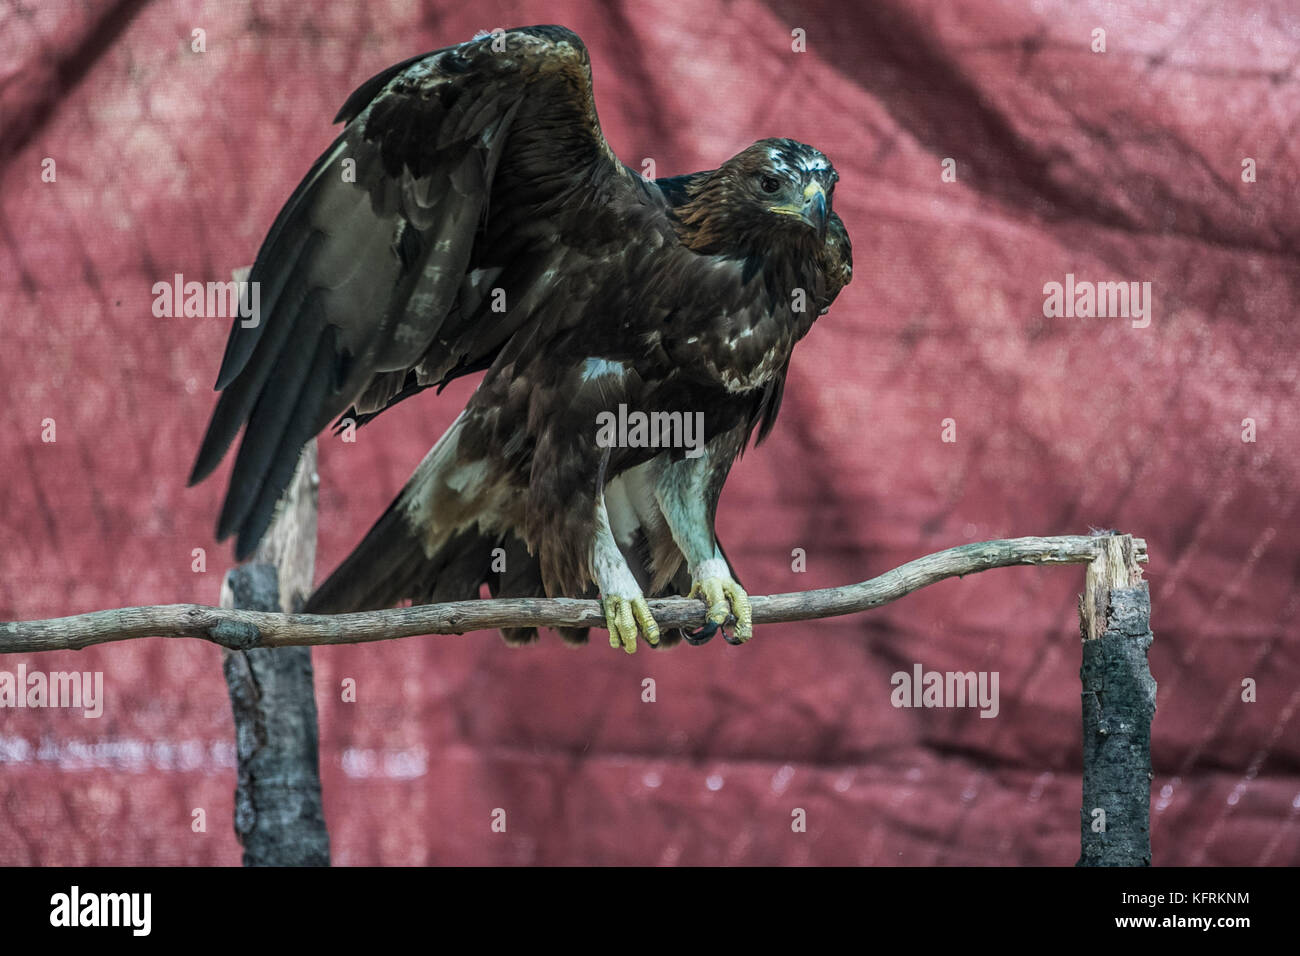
{"x": 377, "y": 277}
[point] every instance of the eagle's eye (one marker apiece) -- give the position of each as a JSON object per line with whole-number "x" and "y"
{"x": 770, "y": 184}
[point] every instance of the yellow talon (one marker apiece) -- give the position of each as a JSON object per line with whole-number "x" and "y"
{"x": 726, "y": 598}
{"x": 625, "y": 618}
{"x": 649, "y": 627}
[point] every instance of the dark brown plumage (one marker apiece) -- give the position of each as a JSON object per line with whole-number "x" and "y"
{"x": 489, "y": 226}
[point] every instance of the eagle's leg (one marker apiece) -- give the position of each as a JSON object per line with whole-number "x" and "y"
{"x": 683, "y": 494}
{"x": 626, "y": 611}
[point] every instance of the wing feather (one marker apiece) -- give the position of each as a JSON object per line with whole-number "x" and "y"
{"x": 365, "y": 277}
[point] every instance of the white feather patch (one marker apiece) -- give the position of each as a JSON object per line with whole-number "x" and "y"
{"x": 608, "y": 567}
{"x": 594, "y": 368}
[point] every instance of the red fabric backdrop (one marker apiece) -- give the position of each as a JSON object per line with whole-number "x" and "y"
{"x": 1123, "y": 165}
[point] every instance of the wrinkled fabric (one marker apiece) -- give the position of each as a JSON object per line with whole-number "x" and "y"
{"x": 935, "y": 405}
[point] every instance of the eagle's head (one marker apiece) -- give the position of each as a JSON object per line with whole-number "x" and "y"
{"x": 777, "y": 190}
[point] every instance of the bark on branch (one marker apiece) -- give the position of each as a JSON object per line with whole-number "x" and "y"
{"x": 242, "y": 630}
{"x": 278, "y": 809}
{"x": 1119, "y": 702}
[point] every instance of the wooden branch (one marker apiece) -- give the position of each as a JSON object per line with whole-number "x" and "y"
{"x": 241, "y": 630}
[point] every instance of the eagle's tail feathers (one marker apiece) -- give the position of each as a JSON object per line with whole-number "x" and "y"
{"x": 388, "y": 566}
{"x": 516, "y": 573}
{"x": 398, "y": 560}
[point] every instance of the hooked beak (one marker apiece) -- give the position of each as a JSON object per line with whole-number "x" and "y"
{"x": 814, "y": 210}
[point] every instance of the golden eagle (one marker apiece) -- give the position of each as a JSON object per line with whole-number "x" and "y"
{"x": 472, "y": 217}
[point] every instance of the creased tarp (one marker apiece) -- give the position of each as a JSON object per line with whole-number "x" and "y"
{"x": 1124, "y": 165}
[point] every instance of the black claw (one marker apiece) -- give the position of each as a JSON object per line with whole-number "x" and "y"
{"x": 702, "y": 636}
{"x": 727, "y": 627}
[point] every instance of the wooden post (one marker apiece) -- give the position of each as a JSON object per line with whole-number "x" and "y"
{"x": 278, "y": 814}
{"x": 1119, "y": 701}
